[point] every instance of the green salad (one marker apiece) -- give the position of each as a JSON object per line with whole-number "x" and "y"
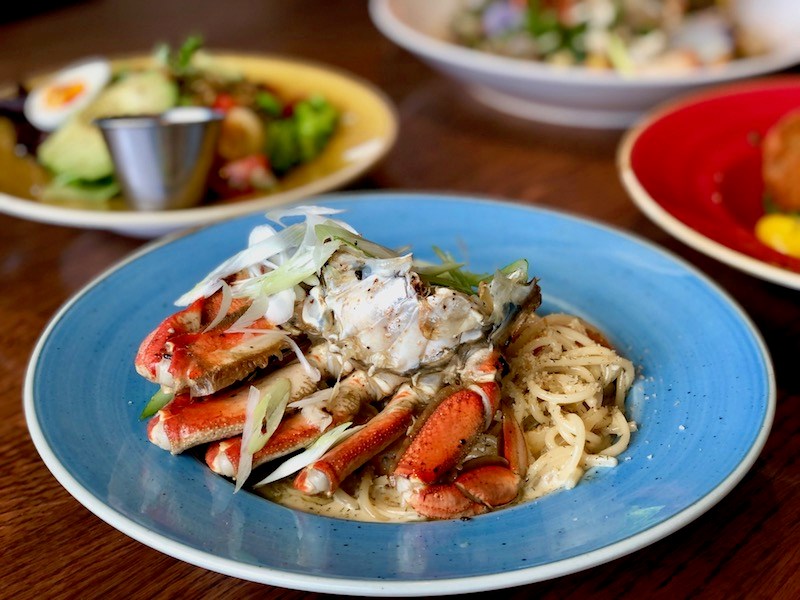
{"x": 264, "y": 134}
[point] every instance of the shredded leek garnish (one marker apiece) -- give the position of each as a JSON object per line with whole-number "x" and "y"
{"x": 268, "y": 406}
{"x": 518, "y": 265}
{"x": 287, "y": 238}
{"x": 224, "y": 306}
{"x": 299, "y": 267}
{"x": 450, "y": 273}
{"x": 310, "y": 454}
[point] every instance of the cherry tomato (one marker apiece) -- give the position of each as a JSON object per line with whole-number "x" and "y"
{"x": 223, "y": 102}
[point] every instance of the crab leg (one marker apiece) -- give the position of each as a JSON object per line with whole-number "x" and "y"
{"x": 293, "y": 433}
{"x": 181, "y": 353}
{"x": 300, "y": 430}
{"x": 186, "y": 422}
{"x": 325, "y": 475}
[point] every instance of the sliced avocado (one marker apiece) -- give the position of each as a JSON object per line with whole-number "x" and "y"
{"x": 139, "y": 93}
{"x": 78, "y": 150}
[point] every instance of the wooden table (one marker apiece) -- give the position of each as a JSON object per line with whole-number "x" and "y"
{"x": 746, "y": 546}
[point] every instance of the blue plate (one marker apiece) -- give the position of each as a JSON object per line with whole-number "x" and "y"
{"x": 704, "y": 400}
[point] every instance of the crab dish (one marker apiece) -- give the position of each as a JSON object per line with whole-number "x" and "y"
{"x": 362, "y": 382}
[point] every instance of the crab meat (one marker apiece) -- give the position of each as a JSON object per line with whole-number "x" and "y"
{"x": 374, "y": 312}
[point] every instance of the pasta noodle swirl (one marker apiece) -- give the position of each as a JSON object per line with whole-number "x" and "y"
{"x": 568, "y": 388}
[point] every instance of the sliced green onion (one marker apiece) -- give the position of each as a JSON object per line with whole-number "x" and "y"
{"x": 284, "y": 240}
{"x": 224, "y": 306}
{"x": 619, "y": 56}
{"x": 268, "y": 406}
{"x": 158, "y": 401}
{"x": 449, "y": 273}
{"x": 310, "y": 454}
{"x": 299, "y": 267}
{"x": 521, "y": 265}
{"x": 254, "y": 312}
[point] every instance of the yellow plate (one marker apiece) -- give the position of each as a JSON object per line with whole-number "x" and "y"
{"x": 367, "y": 130}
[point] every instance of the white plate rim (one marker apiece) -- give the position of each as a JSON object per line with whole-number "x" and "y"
{"x": 534, "y": 71}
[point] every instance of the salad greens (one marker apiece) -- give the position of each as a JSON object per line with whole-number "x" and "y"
{"x": 264, "y": 135}
{"x": 630, "y": 37}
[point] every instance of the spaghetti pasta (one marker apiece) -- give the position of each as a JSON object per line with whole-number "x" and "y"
{"x": 567, "y": 387}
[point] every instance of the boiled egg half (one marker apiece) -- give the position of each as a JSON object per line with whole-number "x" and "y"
{"x": 68, "y": 91}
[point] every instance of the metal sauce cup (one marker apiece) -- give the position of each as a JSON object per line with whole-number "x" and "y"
{"x": 162, "y": 162}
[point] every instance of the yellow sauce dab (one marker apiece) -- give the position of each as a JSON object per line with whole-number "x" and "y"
{"x": 780, "y": 232}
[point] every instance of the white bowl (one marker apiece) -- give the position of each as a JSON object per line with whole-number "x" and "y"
{"x": 574, "y": 96}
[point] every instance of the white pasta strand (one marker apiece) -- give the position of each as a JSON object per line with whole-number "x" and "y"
{"x": 620, "y": 427}
{"x": 560, "y": 376}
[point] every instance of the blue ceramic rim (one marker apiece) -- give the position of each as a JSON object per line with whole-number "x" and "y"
{"x": 406, "y": 587}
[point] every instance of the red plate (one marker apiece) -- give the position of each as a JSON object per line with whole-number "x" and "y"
{"x": 694, "y": 168}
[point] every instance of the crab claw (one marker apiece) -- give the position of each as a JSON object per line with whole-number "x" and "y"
{"x": 153, "y": 351}
{"x": 480, "y": 489}
{"x": 446, "y": 435}
{"x": 444, "y": 438}
{"x": 472, "y": 493}
{"x": 183, "y": 353}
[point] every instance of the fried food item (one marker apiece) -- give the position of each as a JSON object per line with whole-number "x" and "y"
{"x": 781, "y": 162}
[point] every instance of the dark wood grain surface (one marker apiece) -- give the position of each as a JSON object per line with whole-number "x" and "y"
{"x": 747, "y": 546}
